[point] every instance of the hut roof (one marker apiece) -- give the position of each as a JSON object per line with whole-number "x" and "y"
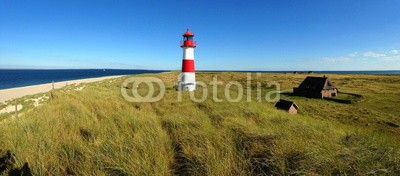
{"x": 316, "y": 83}
{"x": 284, "y": 104}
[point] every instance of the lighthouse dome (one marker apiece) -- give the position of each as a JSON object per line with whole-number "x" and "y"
{"x": 188, "y": 33}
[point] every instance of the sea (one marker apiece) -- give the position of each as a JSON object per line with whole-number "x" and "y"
{"x": 11, "y": 78}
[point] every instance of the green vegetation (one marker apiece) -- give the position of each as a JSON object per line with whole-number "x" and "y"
{"x": 95, "y": 131}
{"x": 2, "y": 105}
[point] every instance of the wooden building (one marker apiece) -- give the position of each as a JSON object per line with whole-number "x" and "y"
{"x": 288, "y": 106}
{"x": 316, "y": 87}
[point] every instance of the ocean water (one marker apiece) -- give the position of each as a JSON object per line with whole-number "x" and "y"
{"x": 10, "y": 78}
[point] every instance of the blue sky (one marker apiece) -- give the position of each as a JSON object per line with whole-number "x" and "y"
{"x": 231, "y": 35}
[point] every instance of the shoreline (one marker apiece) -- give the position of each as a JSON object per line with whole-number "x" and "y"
{"x": 17, "y": 92}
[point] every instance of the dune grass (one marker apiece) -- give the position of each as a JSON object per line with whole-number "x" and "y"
{"x": 96, "y": 132}
{"x": 2, "y": 105}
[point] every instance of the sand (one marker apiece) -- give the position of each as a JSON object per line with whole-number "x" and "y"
{"x": 8, "y": 94}
{"x": 10, "y": 108}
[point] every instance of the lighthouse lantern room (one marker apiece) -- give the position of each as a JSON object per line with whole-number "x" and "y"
{"x": 187, "y": 79}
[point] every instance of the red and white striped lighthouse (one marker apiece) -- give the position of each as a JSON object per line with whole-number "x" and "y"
{"x": 187, "y": 79}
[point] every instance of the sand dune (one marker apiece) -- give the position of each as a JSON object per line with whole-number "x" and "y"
{"x": 8, "y": 94}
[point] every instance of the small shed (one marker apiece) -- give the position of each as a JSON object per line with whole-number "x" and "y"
{"x": 288, "y": 106}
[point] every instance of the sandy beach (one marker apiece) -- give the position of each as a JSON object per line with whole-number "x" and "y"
{"x": 8, "y": 94}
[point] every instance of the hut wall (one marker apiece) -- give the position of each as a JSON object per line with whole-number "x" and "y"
{"x": 329, "y": 93}
{"x": 292, "y": 110}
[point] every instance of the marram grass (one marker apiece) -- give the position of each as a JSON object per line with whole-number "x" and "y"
{"x": 96, "y": 132}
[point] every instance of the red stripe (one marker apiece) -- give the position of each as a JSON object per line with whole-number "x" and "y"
{"x": 189, "y": 43}
{"x": 187, "y": 65}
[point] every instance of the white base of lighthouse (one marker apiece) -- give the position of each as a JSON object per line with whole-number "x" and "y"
{"x": 187, "y": 82}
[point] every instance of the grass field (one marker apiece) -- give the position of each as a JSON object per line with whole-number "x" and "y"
{"x": 95, "y": 131}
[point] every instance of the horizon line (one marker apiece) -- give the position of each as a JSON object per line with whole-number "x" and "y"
{"x": 302, "y": 70}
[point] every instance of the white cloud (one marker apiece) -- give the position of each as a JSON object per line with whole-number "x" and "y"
{"x": 366, "y": 57}
{"x": 361, "y": 59}
{"x": 394, "y": 58}
{"x": 337, "y": 59}
{"x": 393, "y": 51}
{"x": 354, "y": 54}
{"x": 372, "y": 54}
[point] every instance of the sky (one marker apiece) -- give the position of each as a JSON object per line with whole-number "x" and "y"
{"x": 266, "y": 35}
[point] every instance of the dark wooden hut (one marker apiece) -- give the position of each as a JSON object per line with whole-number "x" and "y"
{"x": 316, "y": 87}
{"x": 288, "y": 106}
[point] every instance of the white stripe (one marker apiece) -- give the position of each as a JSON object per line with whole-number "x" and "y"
{"x": 188, "y": 54}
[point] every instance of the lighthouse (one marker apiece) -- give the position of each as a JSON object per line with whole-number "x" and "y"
{"x": 187, "y": 79}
